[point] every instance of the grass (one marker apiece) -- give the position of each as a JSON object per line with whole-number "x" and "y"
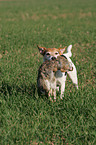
{"x": 26, "y": 118}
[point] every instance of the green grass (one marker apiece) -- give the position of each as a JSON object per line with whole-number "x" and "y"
{"x": 25, "y": 117}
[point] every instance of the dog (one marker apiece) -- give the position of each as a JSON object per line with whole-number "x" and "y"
{"x": 46, "y": 81}
{"x": 49, "y": 53}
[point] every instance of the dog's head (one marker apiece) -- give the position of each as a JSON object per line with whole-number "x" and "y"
{"x": 50, "y": 53}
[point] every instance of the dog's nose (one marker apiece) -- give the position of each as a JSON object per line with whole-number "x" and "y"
{"x": 53, "y": 58}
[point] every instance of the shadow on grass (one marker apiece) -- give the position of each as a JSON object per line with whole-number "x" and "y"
{"x": 10, "y": 89}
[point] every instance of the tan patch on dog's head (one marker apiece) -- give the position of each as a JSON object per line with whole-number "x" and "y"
{"x": 49, "y": 53}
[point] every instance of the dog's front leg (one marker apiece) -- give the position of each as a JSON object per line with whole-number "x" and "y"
{"x": 50, "y": 94}
{"x": 54, "y": 94}
{"x": 62, "y": 90}
{"x": 57, "y": 88}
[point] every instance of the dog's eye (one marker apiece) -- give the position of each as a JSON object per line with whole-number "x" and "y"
{"x": 56, "y": 53}
{"x": 47, "y": 53}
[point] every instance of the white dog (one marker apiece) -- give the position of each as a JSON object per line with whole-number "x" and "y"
{"x": 46, "y": 81}
{"x": 49, "y": 53}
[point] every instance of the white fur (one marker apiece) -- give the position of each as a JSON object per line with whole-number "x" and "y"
{"x": 61, "y": 78}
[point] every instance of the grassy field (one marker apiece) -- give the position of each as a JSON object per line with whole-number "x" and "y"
{"x": 27, "y": 119}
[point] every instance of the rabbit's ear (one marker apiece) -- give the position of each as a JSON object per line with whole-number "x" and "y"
{"x": 61, "y": 50}
{"x": 41, "y": 49}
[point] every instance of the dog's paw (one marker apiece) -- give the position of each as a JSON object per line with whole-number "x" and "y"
{"x": 57, "y": 88}
{"x": 76, "y": 86}
{"x": 61, "y": 97}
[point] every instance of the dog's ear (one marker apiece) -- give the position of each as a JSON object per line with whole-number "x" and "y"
{"x": 41, "y": 49}
{"x": 61, "y": 50}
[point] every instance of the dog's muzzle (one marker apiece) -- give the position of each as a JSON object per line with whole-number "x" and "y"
{"x": 53, "y": 58}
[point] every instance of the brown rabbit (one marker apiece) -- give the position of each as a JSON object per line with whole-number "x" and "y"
{"x": 46, "y": 81}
